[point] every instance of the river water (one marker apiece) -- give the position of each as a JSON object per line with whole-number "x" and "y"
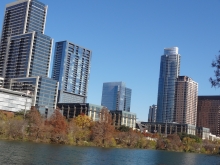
{"x": 25, "y": 153}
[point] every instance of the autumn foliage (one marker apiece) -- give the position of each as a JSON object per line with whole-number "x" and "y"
{"x": 82, "y": 131}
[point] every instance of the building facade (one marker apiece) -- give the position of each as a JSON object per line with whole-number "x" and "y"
{"x": 25, "y": 53}
{"x": 28, "y": 55}
{"x": 14, "y": 101}
{"x": 208, "y": 113}
{"x": 1, "y": 82}
{"x": 43, "y": 90}
{"x": 152, "y": 114}
{"x": 72, "y": 110}
{"x": 186, "y": 97}
{"x": 174, "y": 128}
{"x": 124, "y": 118}
{"x": 22, "y": 16}
{"x": 169, "y": 72}
{"x": 115, "y": 96}
{"x": 127, "y": 104}
{"x": 71, "y": 68}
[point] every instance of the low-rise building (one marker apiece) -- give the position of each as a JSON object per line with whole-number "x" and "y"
{"x": 14, "y": 101}
{"x": 172, "y": 128}
{"x": 72, "y": 110}
{"x": 124, "y": 118}
{"x": 169, "y": 128}
{"x": 43, "y": 90}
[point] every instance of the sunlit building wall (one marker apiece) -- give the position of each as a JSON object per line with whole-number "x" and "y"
{"x": 186, "y": 97}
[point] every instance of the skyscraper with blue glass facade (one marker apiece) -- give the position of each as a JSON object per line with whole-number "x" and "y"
{"x": 115, "y": 96}
{"x": 71, "y": 68}
{"x": 169, "y": 72}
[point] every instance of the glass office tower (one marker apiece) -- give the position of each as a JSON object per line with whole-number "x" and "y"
{"x": 169, "y": 72}
{"x": 71, "y": 68}
{"x": 21, "y": 17}
{"x": 115, "y": 96}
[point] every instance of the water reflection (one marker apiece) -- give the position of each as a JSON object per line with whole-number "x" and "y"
{"x": 34, "y": 154}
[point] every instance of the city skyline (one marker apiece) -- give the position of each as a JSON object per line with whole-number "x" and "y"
{"x": 127, "y": 43}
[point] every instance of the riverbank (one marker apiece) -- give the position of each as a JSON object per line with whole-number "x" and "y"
{"x": 81, "y": 131}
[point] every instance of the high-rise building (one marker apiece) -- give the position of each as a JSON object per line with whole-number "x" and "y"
{"x": 127, "y": 104}
{"x": 208, "y": 113}
{"x": 28, "y": 55}
{"x": 25, "y": 53}
{"x": 152, "y": 114}
{"x": 71, "y": 68}
{"x": 186, "y": 96}
{"x": 169, "y": 72}
{"x": 115, "y": 96}
{"x": 22, "y": 16}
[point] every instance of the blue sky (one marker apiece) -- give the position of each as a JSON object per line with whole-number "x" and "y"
{"x": 127, "y": 38}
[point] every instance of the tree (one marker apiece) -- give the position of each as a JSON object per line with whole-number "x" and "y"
{"x": 102, "y": 131}
{"x": 124, "y": 128}
{"x": 17, "y": 128}
{"x": 215, "y": 82}
{"x": 58, "y": 126}
{"x": 36, "y": 124}
{"x": 83, "y": 121}
{"x": 129, "y": 138}
{"x": 77, "y": 134}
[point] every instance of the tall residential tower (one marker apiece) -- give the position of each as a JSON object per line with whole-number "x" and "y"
{"x": 25, "y": 53}
{"x": 71, "y": 68}
{"x": 21, "y": 17}
{"x": 169, "y": 72}
{"x": 186, "y": 97}
{"x": 152, "y": 114}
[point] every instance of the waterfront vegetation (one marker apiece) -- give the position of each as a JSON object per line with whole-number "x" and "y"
{"x": 82, "y": 131}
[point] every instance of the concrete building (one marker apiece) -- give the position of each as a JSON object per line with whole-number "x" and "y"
{"x": 152, "y": 114}
{"x": 208, "y": 113}
{"x": 115, "y": 96}
{"x": 72, "y": 110}
{"x": 124, "y": 118}
{"x": 43, "y": 90}
{"x": 186, "y": 96}
{"x": 14, "y": 101}
{"x": 72, "y": 69}
{"x": 173, "y": 128}
{"x": 169, "y": 72}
